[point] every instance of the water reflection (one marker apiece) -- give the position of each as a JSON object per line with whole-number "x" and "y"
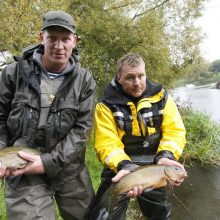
{"x": 202, "y": 98}
{"x": 198, "y": 198}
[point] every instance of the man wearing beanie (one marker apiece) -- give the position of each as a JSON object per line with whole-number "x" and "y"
{"x": 47, "y": 102}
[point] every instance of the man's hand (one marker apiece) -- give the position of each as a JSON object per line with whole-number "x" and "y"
{"x": 137, "y": 190}
{"x": 168, "y": 162}
{"x": 35, "y": 166}
{"x": 4, "y": 172}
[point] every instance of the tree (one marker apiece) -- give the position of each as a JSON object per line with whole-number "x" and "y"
{"x": 21, "y": 21}
{"x": 215, "y": 66}
{"x": 162, "y": 31}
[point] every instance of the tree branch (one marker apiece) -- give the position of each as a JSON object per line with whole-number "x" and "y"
{"x": 151, "y": 9}
{"x": 122, "y": 6}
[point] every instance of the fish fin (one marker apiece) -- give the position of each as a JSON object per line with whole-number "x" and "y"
{"x": 170, "y": 184}
{"x": 114, "y": 202}
{"x": 122, "y": 197}
{"x": 148, "y": 189}
{"x": 169, "y": 188}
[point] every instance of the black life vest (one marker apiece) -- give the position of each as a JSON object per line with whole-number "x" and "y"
{"x": 141, "y": 149}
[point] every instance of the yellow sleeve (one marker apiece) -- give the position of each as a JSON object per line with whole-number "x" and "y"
{"x": 173, "y": 130}
{"x": 108, "y": 144}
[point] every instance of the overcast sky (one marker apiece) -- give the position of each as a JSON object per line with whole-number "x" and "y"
{"x": 209, "y": 22}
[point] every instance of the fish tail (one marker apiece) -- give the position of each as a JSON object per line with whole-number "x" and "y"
{"x": 114, "y": 201}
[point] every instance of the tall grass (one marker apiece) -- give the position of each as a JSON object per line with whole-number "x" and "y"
{"x": 203, "y": 138}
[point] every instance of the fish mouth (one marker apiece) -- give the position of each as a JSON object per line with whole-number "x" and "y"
{"x": 176, "y": 177}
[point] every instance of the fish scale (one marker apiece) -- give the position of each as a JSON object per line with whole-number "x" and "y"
{"x": 149, "y": 176}
{"x": 10, "y": 158}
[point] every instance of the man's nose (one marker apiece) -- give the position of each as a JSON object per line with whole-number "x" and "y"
{"x": 58, "y": 44}
{"x": 137, "y": 81}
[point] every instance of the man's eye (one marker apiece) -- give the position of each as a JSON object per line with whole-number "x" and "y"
{"x": 51, "y": 38}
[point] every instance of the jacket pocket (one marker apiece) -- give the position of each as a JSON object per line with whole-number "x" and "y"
{"x": 62, "y": 119}
{"x": 20, "y": 120}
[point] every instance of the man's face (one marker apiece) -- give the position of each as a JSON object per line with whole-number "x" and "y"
{"x": 58, "y": 45}
{"x": 133, "y": 79}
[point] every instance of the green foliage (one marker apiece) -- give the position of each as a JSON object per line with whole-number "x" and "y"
{"x": 195, "y": 72}
{"x": 163, "y": 32}
{"x": 164, "y": 36}
{"x": 203, "y": 142}
{"x": 215, "y": 66}
{"x": 21, "y": 22}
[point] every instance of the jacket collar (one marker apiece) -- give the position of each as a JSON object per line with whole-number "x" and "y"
{"x": 114, "y": 93}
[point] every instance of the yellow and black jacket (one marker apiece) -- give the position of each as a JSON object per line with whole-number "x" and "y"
{"x": 138, "y": 130}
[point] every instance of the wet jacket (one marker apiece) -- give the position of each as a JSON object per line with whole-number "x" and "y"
{"x": 153, "y": 115}
{"x": 69, "y": 118}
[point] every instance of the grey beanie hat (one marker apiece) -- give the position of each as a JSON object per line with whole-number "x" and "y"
{"x": 59, "y": 18}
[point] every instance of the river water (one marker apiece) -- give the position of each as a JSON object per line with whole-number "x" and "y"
{"x": 202, "y": 98}
{"x": 198, "y": 198}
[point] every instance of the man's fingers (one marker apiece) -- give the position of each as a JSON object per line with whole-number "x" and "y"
{"x": 26, "y": 156}
{"x": 137, "y": 191}
{"x": 119, "y": 175}
{"x": 140, "y": 190}
{"x": 2, "y": 171}
{"x": 17, "y": 172}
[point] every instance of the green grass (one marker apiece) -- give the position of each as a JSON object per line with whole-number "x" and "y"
{"x": 203, "y": 146}
{"x": 94, "y": 166}
{"x": 2, "y": 205}
{"x": 203, "y": 138}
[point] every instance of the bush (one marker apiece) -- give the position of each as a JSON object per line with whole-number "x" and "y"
{"x": 203, "y": 138}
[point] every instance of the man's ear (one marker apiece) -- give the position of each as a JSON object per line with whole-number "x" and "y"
{"x": 75, "y": 41}
{"x": 41, "y": 37}
{"x": 117, "y": 76}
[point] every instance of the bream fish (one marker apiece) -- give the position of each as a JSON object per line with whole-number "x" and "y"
{"x": 10, "y": 158}
{"x": 149, "y": 176}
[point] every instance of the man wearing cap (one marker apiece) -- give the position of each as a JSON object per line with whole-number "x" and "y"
{"x": 47, "y": 101}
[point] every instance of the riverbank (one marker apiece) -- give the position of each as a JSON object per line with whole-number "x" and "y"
{"x": 213, "y": 79}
